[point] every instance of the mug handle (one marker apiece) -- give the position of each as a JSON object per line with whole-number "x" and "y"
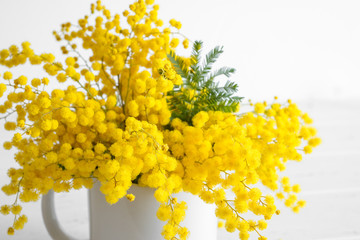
{"x": 50, "y": 219}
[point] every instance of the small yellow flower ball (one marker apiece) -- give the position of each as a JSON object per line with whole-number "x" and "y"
{"x": 10, "y": 231}
{"x": 7, "y": 145}
{"x": 5, "y": 209}
{"x": 130, "y": 197}
{"x": 70, "y": 61}
{"x": 17, "y": 137}
{"x": 16, "y": 209}
{"x": 185, "y": 43}
{"x": 89, "y": 76}
{"x": 7, "y": 75}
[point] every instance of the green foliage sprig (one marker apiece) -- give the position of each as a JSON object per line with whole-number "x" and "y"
{"x": 200, "y": 91}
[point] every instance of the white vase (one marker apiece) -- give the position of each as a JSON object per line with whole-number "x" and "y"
{"x": 135, "y": 220}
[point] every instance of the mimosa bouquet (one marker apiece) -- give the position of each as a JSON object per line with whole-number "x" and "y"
{"x": 128, "y": 110}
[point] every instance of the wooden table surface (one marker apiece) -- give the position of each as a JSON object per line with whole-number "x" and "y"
{"x": 330, "y": 181}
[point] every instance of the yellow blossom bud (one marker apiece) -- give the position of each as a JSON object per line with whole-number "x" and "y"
{"x": 2, "y": 89}
{"x": 81, "y": 138}
{"x": 17, "y": 137}
{"x": 100, "y": 148}
{"x": 174, "y": 42}
{"x": 296, "y": 188}
{"x": 307, "y": 149}
{"x": 111, "y": 102}
{"x": 10, "y": 126}
{"x": 10, "y": 231}
{"x": 5, "y": 209}
{"x": 16, "y": 209}
{"x": 69, "y": 163}
{"x": 7, "y": 145}
{"x": 185, "y": 43}
{"x": 46, "y": 125}
{"x": 45, "y": 81}
{"x": 161, "y": 195}
{"x": 259, "y": 108}
{"x": 133, "y": 108}
{"x": 164, "y": 212}
{"x": 96, "y": 66}
{"x": 70, "y": 61}
{"x": 130, "y": 197}
{"x": 89, "y": 76}
{"x": 7, "y": 75}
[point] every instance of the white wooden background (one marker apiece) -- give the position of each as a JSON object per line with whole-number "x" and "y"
{"x": 330, "y": 181}
{"x": 305, "y": 50}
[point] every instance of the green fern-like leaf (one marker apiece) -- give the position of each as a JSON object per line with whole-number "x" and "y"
{"x": 210, "y": 59}
{"x": 200, "y": 91}
{"x": 179, "y": 64}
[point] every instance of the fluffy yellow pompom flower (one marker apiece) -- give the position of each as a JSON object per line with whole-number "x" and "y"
{"x": 16, "y": 209}
{"x": 10, "y": 231}
{"x": 2, "y": 89}
{"x": 22, "y": 80}
{"x": 70, "y": 61}
{"x": 7, "y": 75}
{"x": 5, "y": 209}
{"x": 133, "y": 108}
{"x": 111, "y": 102}
{"x": 52, "y": 157}
{"x": 259, "y": 108}
{"x": 307, "y": 149}
{"x": 7, "y": 145}
{"x": 174, "y": 42}
{"x": 10, "y": 126}
{"x": 164, "y": 212}
{"x": 81, "y": 138}
{"x": 200, "y": 119}
{"x": 17, "y": 137}
{"x": 185, "y": 43}
{"x": 96, "y": 66}
{"x": 89, "y": 76}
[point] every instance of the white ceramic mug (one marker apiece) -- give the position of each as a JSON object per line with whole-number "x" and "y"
{"x": 135, "y": 220}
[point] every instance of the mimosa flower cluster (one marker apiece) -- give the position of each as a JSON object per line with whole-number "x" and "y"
{"x": 110, "y": 120}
